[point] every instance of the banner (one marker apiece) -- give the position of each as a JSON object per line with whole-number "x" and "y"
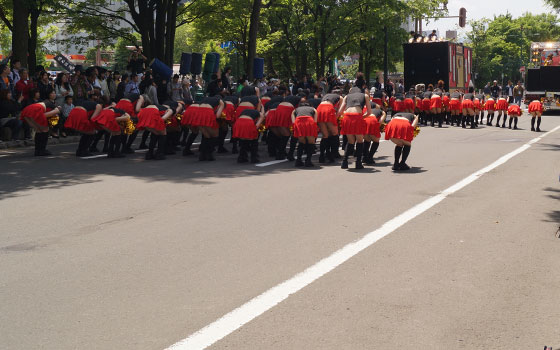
{"x": 64, "y": 63}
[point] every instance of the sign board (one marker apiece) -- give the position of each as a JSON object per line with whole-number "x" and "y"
{"x": 522, "y": 69}
{"x": 64, "y": 63}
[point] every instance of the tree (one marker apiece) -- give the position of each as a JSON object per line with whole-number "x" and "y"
{"x": 502, "y": 45}
{"x": 155, "y": 21}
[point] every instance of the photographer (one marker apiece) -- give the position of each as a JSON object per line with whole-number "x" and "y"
{"x": 136, "y": 62}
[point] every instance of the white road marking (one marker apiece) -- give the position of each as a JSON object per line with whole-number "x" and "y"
{"x": 235, "y": 319}
{"x": 272, "y": 162}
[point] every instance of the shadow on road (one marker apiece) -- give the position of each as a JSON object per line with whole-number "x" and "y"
{"x": 554, "y": 193}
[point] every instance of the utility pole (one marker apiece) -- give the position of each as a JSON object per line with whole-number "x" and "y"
{"x": 385, "y": 59}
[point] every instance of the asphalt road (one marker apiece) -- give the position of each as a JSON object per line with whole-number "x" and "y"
{"x": 132, "y": 254}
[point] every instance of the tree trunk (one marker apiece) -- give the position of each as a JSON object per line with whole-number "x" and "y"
{"x": 253, "y": 32}
{"x": 170, "y": 32}
{"x": 32, "y": 46}
{"x": 20, "y": 33}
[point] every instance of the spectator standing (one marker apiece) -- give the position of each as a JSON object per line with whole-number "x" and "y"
{"x": 132, "y": 85}
{"x": 102, "y": 82}
{"x": 24, "y": 85}
{"x": 78, "y": 84}
{"x": 62, "y": 88}
{"x": 162, "y": 89}
{"x": 187, "y": 96}
{"x": 136, "y": 62}
{"x": 226, "y": 79}
{"x": 518, "y": 91}
{"x": 9, "y": 110}
{"x": 495, "y": 90}
{"x": 509, "y": 91}
{"x": 15, "y": 71}
{"x": 112, "y": 82}
{"x": 6, "y": 82}
{"x": 121, "y": 87}
{"x": 176, "y": 89}
{"x": 377, "y": 85}
{"x": 214, "y": 87}
{"x": 44, "y": 85}
{"x": 487, "y": 89}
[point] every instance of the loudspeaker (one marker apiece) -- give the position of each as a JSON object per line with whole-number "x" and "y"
{"x": 533, "y": 82}
{"x": 217, "y": 63}
{"x": 550, "y": 76}
{"x": 425, "y": 63}
{"x": 161, "y": 68}
{"x": 209, "y": 63}
{"x": 258, "y": 68}
{"x": 196, "y": 63}
{"x": 186, "y": 60}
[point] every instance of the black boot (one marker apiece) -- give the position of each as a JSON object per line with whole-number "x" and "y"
{"x": 161, "y": 146}
{"x": 539, "y": 124}
{"x": 96, "y": 138}
{"x": 440, "y": 120}
{"x": 533, "y": 124}
{"x": 281, "y": 151}
{"x": 234, "y": 149}
{"x": 322, "y": 149}
{"x": 169, "y": 148}
{"x": 271, "y": 143}
{"x": 405, "y": 153}
{"x": 211, "y": 144}
{"x": 124, "y": 138}
{"x": 187, "y": 150}
{"x": 510, "y": 122}
{"x": 365, "y": 151}
{"x": 498, "y": 120}
{"x": 300, "y": 149}
{"x": 398, "y": 152}
{"x": 489, "y": 119}
{"x": 371, "y": 153}
{"x": 464, "y": 122}
{"x": 254, "y": 148}
{"x": 309, "y": 153}
{"x": 515, "y": 124}
{"x": 106, "y": 142}
{"x": 335, "y": 145}
{"x": 80, "y": 150}
{"x": 41, "y": 140}
{"x": 130, "y": 140}
{"x": 221, "y": 138}
{"x": 151, "y": 147}
{"x": 349, "y": 149}
{"x": 448, "y": 119}
{"x": 432, "y": 119}
{"x": 345, "y": 143}
{"x": 293, "y": 145}
{"x": 243, "y": 149}
{"x": 359, "y": 153}
{"x": 145, "y": 135}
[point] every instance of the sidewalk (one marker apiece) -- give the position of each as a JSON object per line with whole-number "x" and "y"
{"x": 31, "y": 143}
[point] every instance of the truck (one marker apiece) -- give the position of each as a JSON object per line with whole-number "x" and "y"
{"x": 543, "y": 76}
{"x": 426, "y": 61}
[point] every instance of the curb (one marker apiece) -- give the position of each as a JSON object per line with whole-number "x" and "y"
{"x": 31, "y": 143}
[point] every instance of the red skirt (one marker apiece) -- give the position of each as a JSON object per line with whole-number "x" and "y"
{"x": 239, "y": 110}
{"x": 107, "y": 120}
{"x": 326, "y": 114}
{"x": 187, "y": 116}
{"x": 305, "y": 126}
{"x": 536, "y": 106}
{"x": 490, "y": 105}
{"x": 408, "y": 103}
{"x": 126, "y": 106}
{"x": 477, "y": 104}
{"x": 204, "y": 116}
{"x": 282, "y": 117}
{"x": 245, "y": 128}
{"x": 436, "y": 102}
{"x": 445, "y": 101}
{"x": 36, "y": 112}
{"x": 454, "y": 105}
{"x": 229, "y": 111}
{"x": 426, "y": 104}
{"x": 150, "y": 118}
{"x": 467, "y": 104}
{"x": 502, "y": 105}
{"x": 269, "y": 117}
{"x": 398, "y": 106}
{"x": 514, "y": 110}
{"x": 378, "y": 101}
{"x": 399, "y": 129}
{"x": 372, "y": 126}
{"x": 353, "y": 124}
{"x": 78, "y": 119}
